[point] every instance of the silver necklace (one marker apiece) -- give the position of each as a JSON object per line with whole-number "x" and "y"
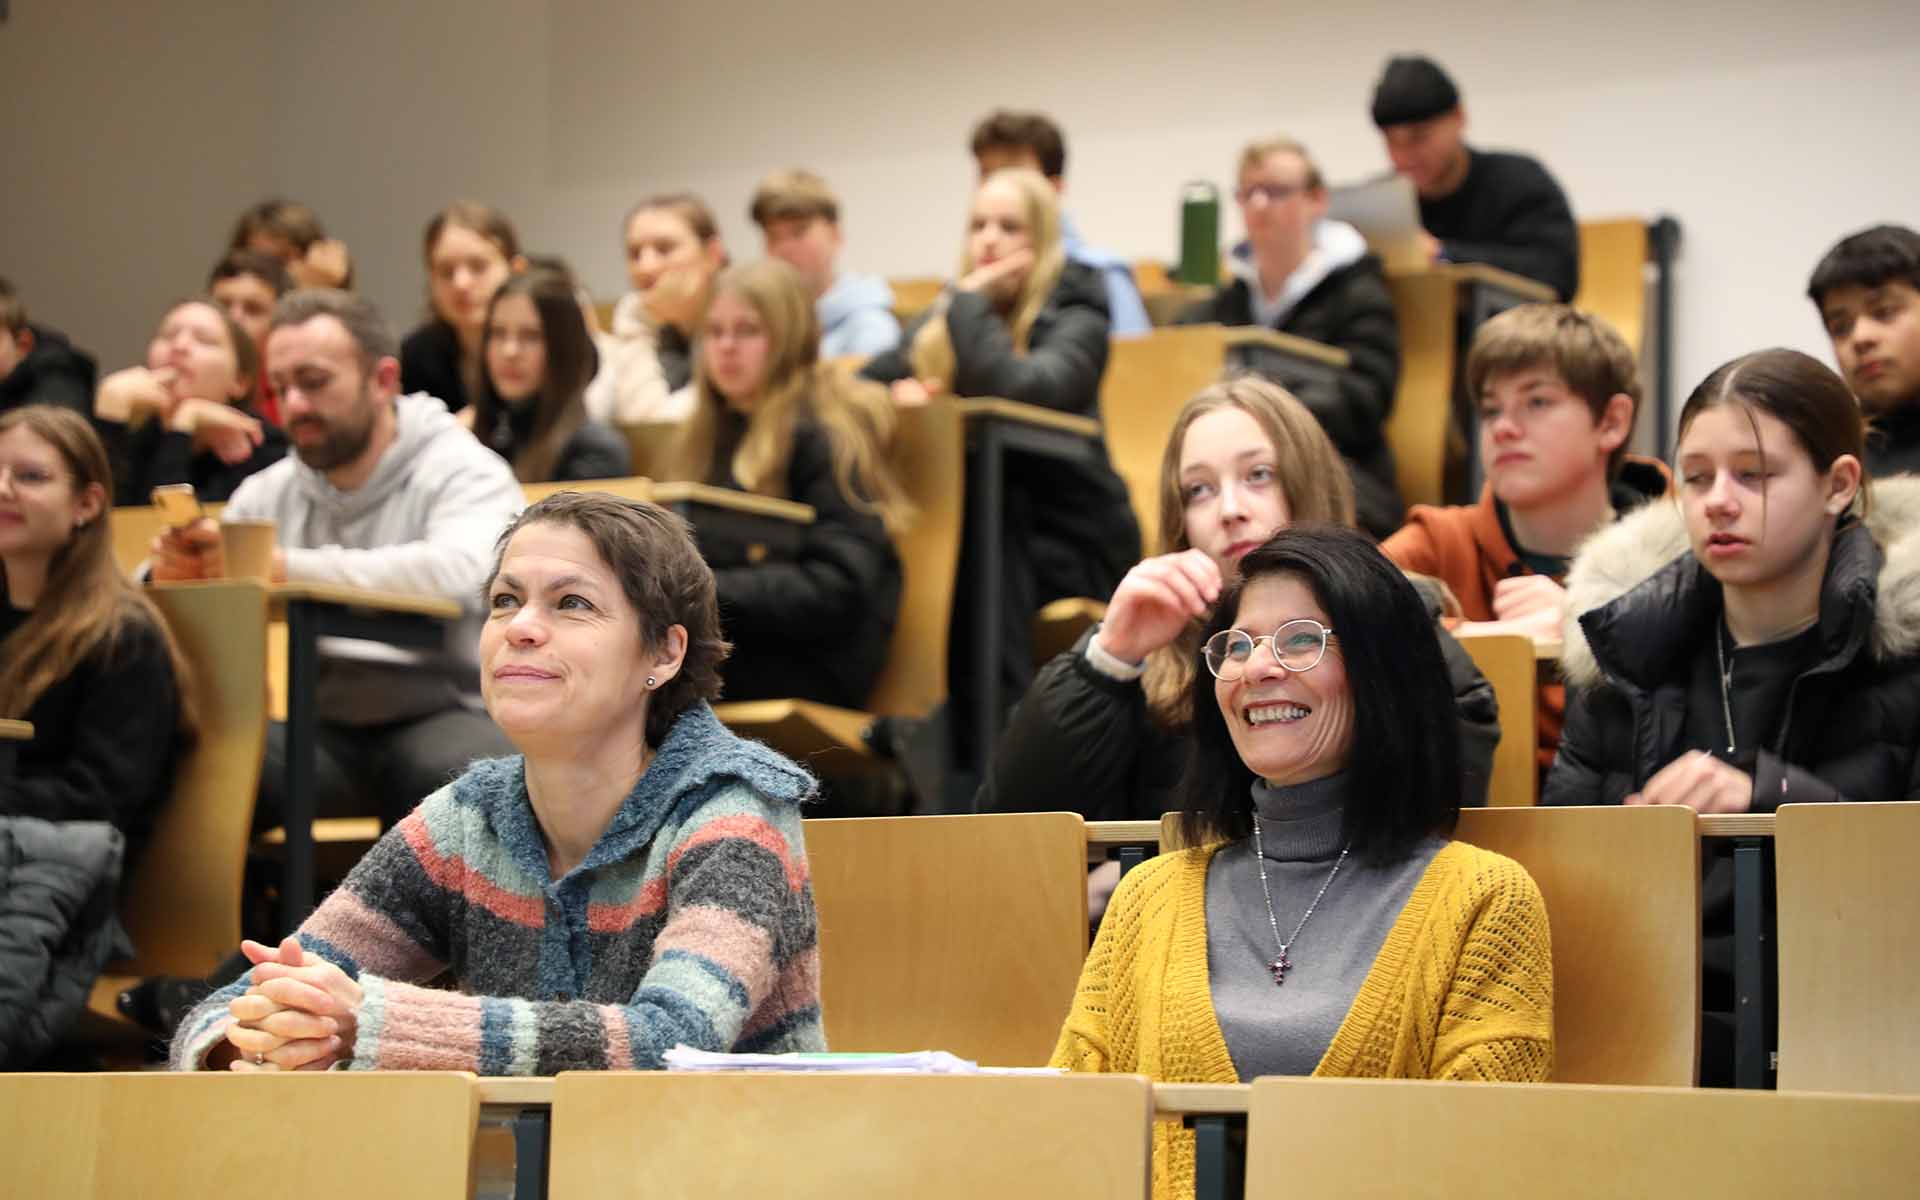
{"x": 1279, "y": 967}
{"x": 1720, "y": 636}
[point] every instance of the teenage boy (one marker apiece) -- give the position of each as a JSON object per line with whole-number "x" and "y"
{"x": 1029, "y": 139}
{"x": 248, "y": 284}
{"x": 800, "y": 218}
{"x": 1476, "y": 205}
{"x": 1557, "y": 389}
{"x": 1867, "y": 289}
{"x": 38, "y": 365}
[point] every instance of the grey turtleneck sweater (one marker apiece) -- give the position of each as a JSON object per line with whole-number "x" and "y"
{"x": 1286, "y": 1030}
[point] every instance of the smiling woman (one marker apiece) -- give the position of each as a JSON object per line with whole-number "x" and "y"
{"x": 1315, "y": 870}
{"x": 632, "y": 879}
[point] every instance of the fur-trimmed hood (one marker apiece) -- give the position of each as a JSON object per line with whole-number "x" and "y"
{"x": 1651, "y": 541}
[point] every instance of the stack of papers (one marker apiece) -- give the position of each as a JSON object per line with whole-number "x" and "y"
{"x": 918, "y": 1062}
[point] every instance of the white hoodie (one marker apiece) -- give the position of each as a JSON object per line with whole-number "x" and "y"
{"x": 1336, "y": 244}
{"x": 423, "y": 524}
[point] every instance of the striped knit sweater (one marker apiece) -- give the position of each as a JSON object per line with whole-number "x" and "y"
{"x": 1461, "y": 989}
{"x": 691, "y": 920}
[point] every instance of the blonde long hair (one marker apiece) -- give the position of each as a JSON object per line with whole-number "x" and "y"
{"x": 87, "y": 603}
{"x": 932, "y": 351}
{"x": 856, "y": 416}
{"x": 1312, "y": 477}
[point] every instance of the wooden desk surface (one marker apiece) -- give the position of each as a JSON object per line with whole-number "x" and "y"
{"x": 1200, "y": 1099}
{"x": 1030, "y": 414}
{"x": 1736, "y": 824}
{"x": 16, "y": 731}
{"x": 1287, "y": 343}
{"x": 743, "y": 502}
{"x": 352, "y": 597}
{"x": 1519, "y": 285}
{"x": 514, "y": 1089}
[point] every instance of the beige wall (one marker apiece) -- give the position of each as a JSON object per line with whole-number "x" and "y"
{"x": 1769, "y": 129}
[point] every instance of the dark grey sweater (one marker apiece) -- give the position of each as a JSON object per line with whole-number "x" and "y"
{"x": 1286, "y": 1030}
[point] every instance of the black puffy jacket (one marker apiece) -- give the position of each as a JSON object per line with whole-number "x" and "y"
{"x": 1641, "y": 604}
{"x": 58, "y": 881}
{"x": 1351, "y": 310}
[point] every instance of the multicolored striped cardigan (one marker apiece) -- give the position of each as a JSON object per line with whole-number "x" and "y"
{"x": 691, "y": 920}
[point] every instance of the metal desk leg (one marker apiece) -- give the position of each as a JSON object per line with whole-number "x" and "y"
{"x": 987, "y": 500}
{"x": 1130, "y": 857}
{"x": 303, "y": 722}
{"x": 1219, "y": 1167}
{"x": 530, "y": 1135}
{"x": 1753, "y": 963}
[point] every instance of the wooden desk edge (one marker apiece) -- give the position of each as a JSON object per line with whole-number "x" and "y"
{"x": 746, "y": 502}
{"x": 514, "y": 1089}
{"x": 1519, "y": 285}
{"x": 1030, "y": 414}
{"x": 1736, "y": 824}
{"x": 1123, "y": 833}
{"x": 1200, "y": 1099}
{"x": 352, "y": 597}
{"x": 16, "y": 731}
{"x": 1288, "y": 343}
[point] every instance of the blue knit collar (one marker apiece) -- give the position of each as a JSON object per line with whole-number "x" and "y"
{"x": 698, "y": 758}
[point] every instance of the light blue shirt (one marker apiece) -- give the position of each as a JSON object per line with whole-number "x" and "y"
{"x": 1126, "y": 314}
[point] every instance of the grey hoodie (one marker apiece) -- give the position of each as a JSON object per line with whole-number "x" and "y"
{"x": 856, "y": 317}
{"x": 1336, "y": 244}
{"x": 424, "y": 524}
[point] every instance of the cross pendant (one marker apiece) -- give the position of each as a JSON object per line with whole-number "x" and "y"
{"x": 1279, "y": 967}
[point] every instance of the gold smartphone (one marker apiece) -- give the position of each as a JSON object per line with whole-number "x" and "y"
{"x": 178, "y": 503}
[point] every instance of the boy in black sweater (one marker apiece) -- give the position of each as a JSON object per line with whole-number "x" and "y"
{"x": 1867, "y": 289}
{"x": 1477, "y": 206}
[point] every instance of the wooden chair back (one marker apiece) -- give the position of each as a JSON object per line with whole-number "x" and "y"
{"x": 1149, "y": 379}
{"x": 133, "y": 528}
{"x": 928, "y": 1136}
{"x": 316, "y": 1136}
{"x": 637, "y": 487}
{"x": 1416, "y": 1138}
{"x": 915, "y": 295}
{"x": 930, "y": 460}
{"x": 1508, "y": 662}
{"x": 1622, "y": 887}
{"x": 182, "y": 904}
{"x": 1613, "y": 276}
{"x": 1422, "y": 413}
{"x": 1846, "y": 911}
{"x": 654, "y": 447}
{"x": 957, "y": 933}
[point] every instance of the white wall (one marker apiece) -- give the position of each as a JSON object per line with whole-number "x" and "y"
{"x": 1768, "y": 129}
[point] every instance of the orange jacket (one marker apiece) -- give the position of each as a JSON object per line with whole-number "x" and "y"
{"x": 1463, "y": 546}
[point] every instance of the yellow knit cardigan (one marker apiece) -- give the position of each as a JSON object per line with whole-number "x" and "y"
{"x": 1462, "y": 988}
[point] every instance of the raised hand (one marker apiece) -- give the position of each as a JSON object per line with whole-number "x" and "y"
{"x": 1155, "y": 601}
{"x": 325, "y": 264}
{"x": 985, "y": 279}
{"x": 125, "y": 395}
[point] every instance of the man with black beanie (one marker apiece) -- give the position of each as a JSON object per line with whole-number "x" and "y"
{"x": 1478, "y": 206}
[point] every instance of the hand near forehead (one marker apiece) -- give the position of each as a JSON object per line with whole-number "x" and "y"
{"x": 1155, "y": 601}
{"x": 325, "y": 264}
{"x": 126, "y": 395}
{"x": 1701, "y": 782}
{"x": 982, "y": 279}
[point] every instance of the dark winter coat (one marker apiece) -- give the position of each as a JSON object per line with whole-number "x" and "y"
{"x": 1350, "y": 309}
{"x": 58, "y": 884}
{"x": 1644, "y": 605}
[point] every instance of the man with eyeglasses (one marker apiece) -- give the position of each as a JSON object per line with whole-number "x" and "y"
{"x": 1301, "y": 273}
{"x": 1481, "y": 206}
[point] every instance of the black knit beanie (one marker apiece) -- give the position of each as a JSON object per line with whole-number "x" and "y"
{"x": 1412, "y": 88}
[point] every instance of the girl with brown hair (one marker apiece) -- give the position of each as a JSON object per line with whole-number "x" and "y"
{"x": 812, "y": 620}
{"x": 539, "y": 357}
{"x": 470, "y": 251}
{"x": 84, "y": 656}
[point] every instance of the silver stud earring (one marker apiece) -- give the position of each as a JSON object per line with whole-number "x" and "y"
{"x": 650, "y": 683}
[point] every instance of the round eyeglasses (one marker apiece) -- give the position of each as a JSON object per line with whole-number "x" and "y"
{"x": 1298, "y": 645}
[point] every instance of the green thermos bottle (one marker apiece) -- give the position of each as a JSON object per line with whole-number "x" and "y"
{"x": 1199, "y": 234}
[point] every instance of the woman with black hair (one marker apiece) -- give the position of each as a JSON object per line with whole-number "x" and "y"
{"x": 539, "y": 358}
{"x": 1322, "y": 921}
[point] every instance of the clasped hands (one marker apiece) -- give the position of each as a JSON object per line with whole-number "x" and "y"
{"x": 301, "y": 1014}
